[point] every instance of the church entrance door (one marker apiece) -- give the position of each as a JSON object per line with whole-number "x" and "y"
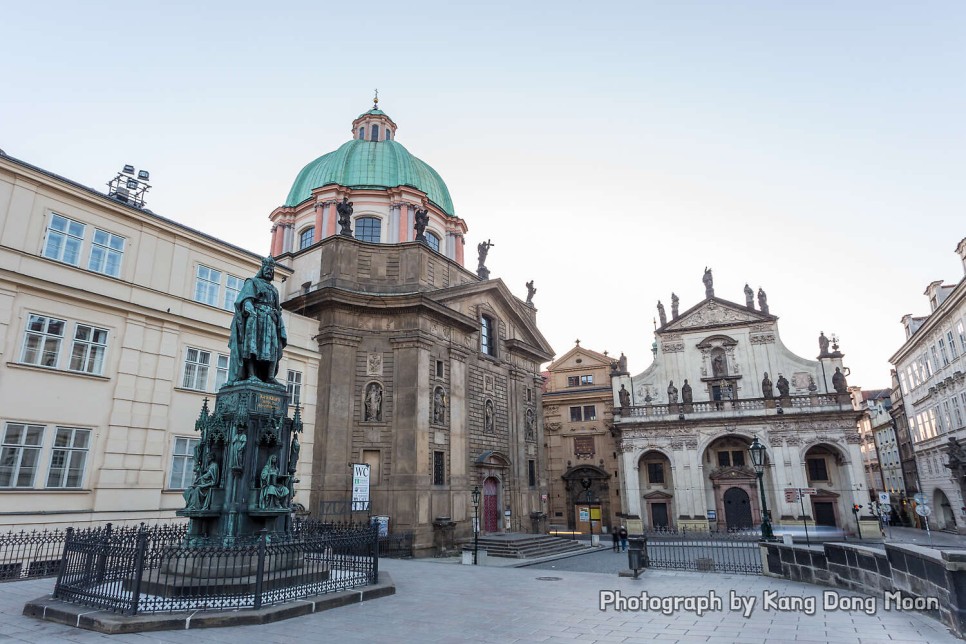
{"x": 491, "y": 517}
{"x": 737, "y": 509}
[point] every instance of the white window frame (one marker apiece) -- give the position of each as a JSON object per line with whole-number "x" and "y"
{"x": 93, "y": 349}
{"x": 197, "y": 368}
{"x": 207, "y": 285}
{"x": 221, "y": 370}
{"x": 70, "y": 238}
{"x": 293, "y": 384}
{"x": 109, "y": 247}
{"x": 185, "y": 458}
{"x": 71, "y": 453}
{"x": 46, "y": 336}
{"x": 12, "y": 453}
{"x": 233, "y": 286}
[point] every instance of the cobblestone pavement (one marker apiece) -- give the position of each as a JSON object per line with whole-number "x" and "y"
{"x": 440, "y": 603}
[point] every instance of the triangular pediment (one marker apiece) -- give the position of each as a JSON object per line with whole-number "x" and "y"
{"x": 580, "y": 358}
{"x": 466, "y": 299}
{"x": 715, "y": 312}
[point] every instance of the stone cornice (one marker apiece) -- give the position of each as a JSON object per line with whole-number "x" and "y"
{"x": 332, "y": 336}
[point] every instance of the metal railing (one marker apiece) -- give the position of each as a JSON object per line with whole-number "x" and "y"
{"x": 732, "y": 552}
{"x": 152, "y": 570}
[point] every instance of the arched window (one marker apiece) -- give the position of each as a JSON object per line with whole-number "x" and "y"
{"x": 387, "y": 134}
{"x": 375, "y": 133}
{"x": 306, "y": 237}
{"x": 369, "y": 229}
{"x": 432, "y": 241}
{"x": 362, "y": 133}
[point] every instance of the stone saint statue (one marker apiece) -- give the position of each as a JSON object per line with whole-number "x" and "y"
{"x": 624, "y": 396}
{"x": 257, "y": 330}
{"x": 766, "y": 390}
{"x": 345, "y": 216}
{"x": 660, "y": 313}
{"x": 622, "y": 363}
{"x": 674, "y": 306}
{"x": 708, "y": 280}
{"x": 422, "y": 220}
{"x": 439, "y": 406}
{"x": 672, "y": 393}
{"x": 782, "y": 386}
{"x": 238, "y": 442}
{"x": 482, "y": 249}
{"x": 749, "y": 297}
{"x": 488, "y": 417}
{"x": 198, "y": 496}
{"x": 718, "y": 365}
{"x": 762, "y": 301}
{"x": 272, "y": 494}
{"x": 531, "y": 291}
{"x": 686, "y": 393}
{"x": 373, "y": 402}
{"x": 838, "y": 382}
{"x": 822, "y": 344}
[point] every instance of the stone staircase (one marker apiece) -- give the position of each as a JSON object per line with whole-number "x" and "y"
{"x": 529, "y": 546}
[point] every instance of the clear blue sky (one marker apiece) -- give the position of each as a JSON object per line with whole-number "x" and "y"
{"x": 610, "y": 150}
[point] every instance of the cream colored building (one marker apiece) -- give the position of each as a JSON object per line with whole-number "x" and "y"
{"x": 931, "y": 369}
{"x": 582, "y": 463}
{"x": 113, "y": 331}
{"x": 692, "y": 414}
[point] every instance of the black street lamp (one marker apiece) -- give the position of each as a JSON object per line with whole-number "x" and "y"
{"x": 758, "y": 460}
{"x": 476, "y": 521}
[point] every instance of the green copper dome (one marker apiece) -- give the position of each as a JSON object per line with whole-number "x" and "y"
{"x": 371, "y": 164}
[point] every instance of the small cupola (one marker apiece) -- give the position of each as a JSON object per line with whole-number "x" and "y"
{"x": 374, "y": 125}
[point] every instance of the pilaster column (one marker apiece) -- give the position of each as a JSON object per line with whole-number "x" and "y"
{"x": 632, "y": 482}
{"x": 318, "y": 221}
{"x": 332, "y": 217}
{"x": 460, "y": 243}
{"x": 392, "y": 226}
{"x": 276, "y": 240}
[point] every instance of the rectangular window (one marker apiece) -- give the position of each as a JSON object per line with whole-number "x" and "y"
{"x": 962, "y": 337}
{"x": 935, "y": 359}
{"x": 87, "y": 352}
{"x": 655, "y": 473}
{"x": 942, "y": 351}
{"x": 182, "y": 463}
{"x": 207, "y": 284}
{"x": 375, "y": 133}
{"x": 947, "y": 417}
{"x": 41, "y": 344}
{"x": 294, "y": 386}
{"x": 529, "y": 394}
{"x": 590, "y": 412}
{"x": 68, "y": 458}
{"x": 952, "y": 344}
{"x": 532, "y": 473}
{"x": 196, "y": 369}
{"x": 64, "y": 239}
{"x": 232, "y": 286}
{"x": 903, "y": 387}
{"x": 439, "y": 468}
{"x": 439, "y": 368}
{"x": 587, "y": 380}
{"x": 20, "y": 454}
{"x": 817, "y": 469}
{"x": 738, "y": 458}
{"x": 221, "y": 371}
{"x": 306, "y": 237}
{"x": 724, "y": 459}
{"x": 487, "y": 336}
{"x": 573, "y": 381}
{"x": 575, "y": 415}
{"x": 957, "y": 414}
{"x": 106, "y": 253}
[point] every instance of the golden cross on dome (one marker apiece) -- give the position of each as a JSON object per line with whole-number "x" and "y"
{"x": 375, "y": 101}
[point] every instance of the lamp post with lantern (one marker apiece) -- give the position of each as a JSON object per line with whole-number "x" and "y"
{"x": 476, "y": 521}
{"x": 757, "y": 451}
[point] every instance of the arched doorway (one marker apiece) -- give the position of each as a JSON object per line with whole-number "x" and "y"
{"x": 737, "y": 506}
{"x": 657, "y": 489}
{"x": 945, "y": 517}
{"x": 491, "y": 505}
{"x": 588, "y": 493}
{"x": 826, "y": 470}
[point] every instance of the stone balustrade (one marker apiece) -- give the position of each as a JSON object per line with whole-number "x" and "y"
{"x": 740, "y": 406}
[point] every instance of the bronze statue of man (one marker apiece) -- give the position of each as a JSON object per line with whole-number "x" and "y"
{"x": 257, "y": 330}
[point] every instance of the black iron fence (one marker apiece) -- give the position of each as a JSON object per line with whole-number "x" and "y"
{"x": 733, "y": 552}
{"x": 151, "y": 570}
{"x": 396, "y": 545}
{"x": 28, "y": 555}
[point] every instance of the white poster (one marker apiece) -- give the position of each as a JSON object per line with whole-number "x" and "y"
{"x": 360, "y": 487}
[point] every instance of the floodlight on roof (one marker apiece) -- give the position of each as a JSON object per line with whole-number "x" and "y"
{"x": 143, "y": 175}
{"x": 128, "y": 169}
{"x": 132, "y": 184}
{"x": 122, "y": 194}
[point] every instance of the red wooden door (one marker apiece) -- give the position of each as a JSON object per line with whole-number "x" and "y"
{"x": 491, "y": 517}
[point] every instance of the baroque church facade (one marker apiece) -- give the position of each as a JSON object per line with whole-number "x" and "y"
{"x": 721, "y": 377}
{"x": 429, "y": 372}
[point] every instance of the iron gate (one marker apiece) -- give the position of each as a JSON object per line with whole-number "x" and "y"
{"x": 732, "y": 552}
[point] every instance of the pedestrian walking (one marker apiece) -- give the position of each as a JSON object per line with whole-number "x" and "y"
{"x": 622, "y": 535}
{"x": 617, "y": 543}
